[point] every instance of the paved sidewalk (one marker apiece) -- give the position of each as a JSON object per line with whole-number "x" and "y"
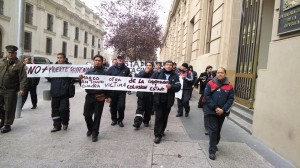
{"x": 30, "y": 144}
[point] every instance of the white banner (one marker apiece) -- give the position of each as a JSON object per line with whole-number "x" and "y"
{"x": 56, "y": 70}
{"x": 123, "y": 83}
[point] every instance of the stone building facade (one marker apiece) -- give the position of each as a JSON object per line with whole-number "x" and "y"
{"x": 257, "y": 41}
{"x": 53, "y": 26}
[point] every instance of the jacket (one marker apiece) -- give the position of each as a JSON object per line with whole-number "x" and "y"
{"x": 204, "y": 78}
{"x": 143, "y": 74}
{"x": 13, "y": 75}
{"x": 168, "y": 97}
{"x": 97, "y": 71}
{"x": 188, "y": 80}
{"x": 116, "y": 70}
{"x": 222, "y": 98}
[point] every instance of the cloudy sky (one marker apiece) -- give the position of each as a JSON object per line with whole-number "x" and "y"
{"x": 166, "y": 4}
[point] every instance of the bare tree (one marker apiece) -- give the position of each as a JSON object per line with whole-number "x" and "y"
{"x": 132, "y": 27}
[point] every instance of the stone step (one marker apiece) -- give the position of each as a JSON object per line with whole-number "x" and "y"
{"x": 240, "y": 122}
{"x": 246, "y": 115}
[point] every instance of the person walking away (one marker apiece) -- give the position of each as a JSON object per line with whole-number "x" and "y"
{"x": 188, "y": 82}
{"x": 144, "y": 100}
{"x": 31, "y": 87}
{"x": 117, "y": 105}
{"x": 13, "y": 82}
{"x": 60, "y": 103}
{"x": 218, "y": 98}
{"x": 94, "y": 100}
{"x": 164, "y": 101}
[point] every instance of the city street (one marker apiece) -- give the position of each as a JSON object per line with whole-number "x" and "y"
{"x": 30, "y": 143}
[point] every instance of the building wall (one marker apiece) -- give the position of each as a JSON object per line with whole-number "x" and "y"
{"x": 72, "y": 11}
{"x": 276, "y": 116}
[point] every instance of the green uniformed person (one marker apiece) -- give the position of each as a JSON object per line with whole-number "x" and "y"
{"x": 13, "y": 81}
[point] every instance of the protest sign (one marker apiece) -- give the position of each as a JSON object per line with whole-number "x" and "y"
{"x": 56, "y": 70}
{"x": 123, "y": 83}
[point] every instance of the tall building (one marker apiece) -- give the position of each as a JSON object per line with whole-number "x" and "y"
{"x": 257, "y": 41}
{"x": 53, "y": 26}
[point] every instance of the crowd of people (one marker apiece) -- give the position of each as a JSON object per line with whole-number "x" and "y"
{"x": 217, "y": 95}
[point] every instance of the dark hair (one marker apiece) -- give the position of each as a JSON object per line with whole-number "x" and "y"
{"x": 149, "y": 62}
{"x": 208, "y": 67}
{"x": 98, "y": 56}
{"x": 169, "y": 61}
{"x": 158, "y": 63}
{"x": 223, "y": 69}
{"x": 191, "y": 67}
{"x": 174, "y": 63}
{"x": 62, "y": 54}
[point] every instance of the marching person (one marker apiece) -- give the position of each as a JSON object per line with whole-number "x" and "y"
{"x": 12, "y": 84}
{"x": 219, "y": 97}
{"x": 31, "y": 87}
{"x": 144, "y": 101}
{"x": 117, "y": 105}
{"x": 164, "y": 101}
{"x": 94, "y": 100}
{"x": 188, "y": 81}
{"x": 60, "y": 103}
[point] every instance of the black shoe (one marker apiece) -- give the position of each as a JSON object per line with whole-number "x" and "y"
{"x": 1, "y": 123}
{"x": 146, "y": 124}
{"x": 33, "y": 107}
{"x": 6, "y": 129}
{"x": 88, "y": 133}
{"x": 212, "y": 156}
{"x": 113, "y": 123}
{"x": 186, "y": 114}
{"x": 163, "y": 134}
{"x": 55, "y": 129}
{"x": 157, "y": 140}
{"x": 120, "y": 124}
{"x": 65, "y": 127}
{"x": 179, "y": 115}
{"x": 135, "y": 125}
{"x": 95, "y": 138}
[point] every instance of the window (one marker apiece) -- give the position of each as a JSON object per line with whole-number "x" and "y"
{"x": 84, "y": 53}
{"x": 93, "y": 40}
{"x": 65, "y": 33}
{"x": 48, "y": 45}
{"x": 1, "y": 7}
{"x": 50, "y": 22}
{"x": 85, "y": 37}
{"x": 27, "y": 41}
{"x": 99, "y": 43}
{"x": 98, "y": 52}
{"x": 209, "y": 26}
{"x": 28, "y": 13}
{"x": 64, "y": 48}
{"x": 92, "y": 54}
{"x": 75, "y": 51}
{"x": 76, "y": 33}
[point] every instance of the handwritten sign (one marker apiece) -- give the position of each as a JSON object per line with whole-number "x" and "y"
{"x": 123, "y": 83}
{"x": 56, "y": 70}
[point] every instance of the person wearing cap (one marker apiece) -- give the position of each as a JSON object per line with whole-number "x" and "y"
{"x": 144, "y": 101}
{"x": 188, "y": 81}
{"x": 117, "y": 105}
{"x": 12, "y": 84}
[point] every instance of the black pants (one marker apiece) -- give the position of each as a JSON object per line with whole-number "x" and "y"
{"x": 93, "y": 107}
{"x": 60, "y": 111}
{"x": 117, "y": 106}
{"x": 8, "y": 103}
{"x": 214, "y": 126}
{"x": 161, "y": 118}
{"x": 144, "y": 109}
{"x": 33, "y": 95}
{"x": 184, "y": 102}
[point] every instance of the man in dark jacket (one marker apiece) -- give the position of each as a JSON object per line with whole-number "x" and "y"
{"x": 164, "y": 101}
{"x": 13, "y": 82}
{"x": 31, "y": 87}
{"x": 94, "y": 100}
{"x": 188, "y": 81}
{"x": 219, "y": 97}
{"x": 144, "y": 101}
{"x": 60, "y": 103}
{"x": 117, "y": 106}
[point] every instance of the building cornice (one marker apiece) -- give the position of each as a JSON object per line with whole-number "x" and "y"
{"x": 5, "y": 18}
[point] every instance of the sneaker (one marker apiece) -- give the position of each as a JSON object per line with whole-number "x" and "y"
{"x": 212, "y": 156}
{"x": 6, "y": 129}
{"x": 55, "y": 129}
{"x": 65, "y": 127}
